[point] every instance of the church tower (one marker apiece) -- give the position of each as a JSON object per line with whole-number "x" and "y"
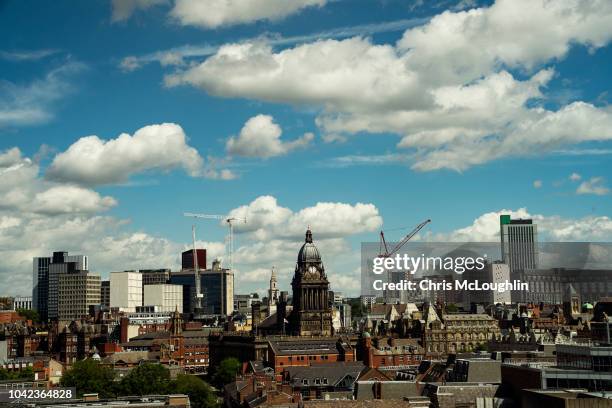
{"x": 273, "y": 293}
{"x": 311, "y": 314}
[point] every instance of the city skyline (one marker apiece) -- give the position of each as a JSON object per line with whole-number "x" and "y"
{"x": 432, "y": 130}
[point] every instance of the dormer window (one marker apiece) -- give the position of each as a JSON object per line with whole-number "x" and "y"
{"x": 305, "y": 381}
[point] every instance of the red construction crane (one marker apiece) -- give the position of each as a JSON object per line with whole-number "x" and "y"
{"x": 383, "y": 242}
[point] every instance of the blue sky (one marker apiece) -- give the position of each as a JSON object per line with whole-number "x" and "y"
{"x": 374, "y": 101}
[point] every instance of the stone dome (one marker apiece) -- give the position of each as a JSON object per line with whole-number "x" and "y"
{"x": 309, "y": 253}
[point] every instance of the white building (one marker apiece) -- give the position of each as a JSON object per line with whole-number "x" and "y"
{"x": 495, "y": 272}
{"x": 126, "y": 290}
{"x": 22, "y": 302}
{"x": 166, "y": 297}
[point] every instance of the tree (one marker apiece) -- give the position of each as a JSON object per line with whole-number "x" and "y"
{"x": 146, "y": 379}
{"x": 90, "y": 377}
{"x": 452, "y": 308}
{"x": 29, "y": 314}
{"x": 25, "y": 374}
{"x": 200, "y": 393}
{"x": 226, "y": 372}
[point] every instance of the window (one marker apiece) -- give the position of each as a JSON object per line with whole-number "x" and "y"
{"x": 305, "y": 381}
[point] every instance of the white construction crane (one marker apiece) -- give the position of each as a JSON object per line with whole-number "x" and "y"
{"x": 230, "y": 223}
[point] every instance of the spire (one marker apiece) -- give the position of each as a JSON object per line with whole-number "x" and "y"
{"x": 273, "y": 277}
{"x": 308, "y": 236}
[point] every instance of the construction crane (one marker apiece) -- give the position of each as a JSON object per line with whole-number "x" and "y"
{"x": 230, "y": 223}
{"x": 196, "y": 269}
{"x": 383, "y": 249}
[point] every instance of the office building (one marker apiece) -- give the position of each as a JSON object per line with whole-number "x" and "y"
{"x": 105, "y": 293}
{"x": 77, "y": 291}
{"x": 126, "y": 290}
{"x": 519, "y": 243}
{"x": 187, "y": 259}
{"x": 40, "y": 286}
{"x": 549, "y": 285}
{"x": 46, "y": 280}
{"x": 217, "y": 285}
{"x": 166, "y": 297}
{"x": 154, "y": 277}
{"x": 494, "y": 273}
{"x": 243, "y": 303}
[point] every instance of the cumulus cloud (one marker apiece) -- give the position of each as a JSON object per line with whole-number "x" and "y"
{"x": 32, "y": 103}
{"x": 595, "y": 185}
{"x": 23, "y": 190}
{"x": 485, "y": 228}
{"x": 124, "y": 9}
{"x": 94, "y": 161}
{"x": 220, "y": 13}
{"x": 266, "y": 219}
{"x": 261, "y": 137}
{"x": 445, "y": 87}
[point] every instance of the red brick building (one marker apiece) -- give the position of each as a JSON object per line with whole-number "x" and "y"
{"x": 391, "y": 352}
{"x": 301, "y": 352}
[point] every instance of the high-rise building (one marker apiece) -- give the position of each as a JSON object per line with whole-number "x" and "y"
{"x": 40, "y": 286}
{"x": 46, "y": 280}
{"x": 519, "y": 243}
{"x": 187, "y": 259}
{"x": 311, "y": 314}
{"x": 166, "y": 297}
{"x": 77, "y": 291}
{"x": 217, "y": 285}
{"x": 105, "y": 293}
{"x": 126, "y": 290}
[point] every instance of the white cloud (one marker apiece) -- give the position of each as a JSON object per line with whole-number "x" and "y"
{"x": 219, "y": 13}
{"x": 94, "y": 161}
{"x": 445, "y": 87}
{"x": 485, "y": 228}
{"x": 27, "y": 55}
{"x": 575, "y": 177}
{"x": 124, "y": 9}
{"x": 261, "y": 137}
{"x": 24, "y": 191}
{"x": 537, "y": 184}
{"x": 596, "y": 186}
{"x": 267, "y": 220}
{"x": 32, "y": 103}
{"x": 71, "y": 199}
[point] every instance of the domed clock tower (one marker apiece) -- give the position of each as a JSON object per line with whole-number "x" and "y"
{"x": 311, "y": 314}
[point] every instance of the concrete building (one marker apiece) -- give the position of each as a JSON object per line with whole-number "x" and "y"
{"x": 217, "y": 286}
{"x": 126, "y": 290}
{"x": 76, "y": 292}
{"x": 550, "y": 285}
{"x": 105, "y": 293}
{"x": 244, "y": 303}
{"x": 495, "y": 272}
{"x": 22, "y": 302}
{"x": 154, "y": 277}
{"x": 46, "y": 280}
{"x": 166, "y": 297}
{"x": 519, "y": 243}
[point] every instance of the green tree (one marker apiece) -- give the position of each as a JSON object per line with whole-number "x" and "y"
{"x": 226, "y": 372}
{"x": 200, "y": 393}
{"x": 90, "y": 377}
{"x": 29, "y": 314}
{"x": 146, "y": 379}
{"x": 452, "y": 308}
